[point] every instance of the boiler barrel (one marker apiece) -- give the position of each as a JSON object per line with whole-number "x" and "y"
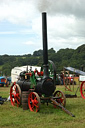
{"x": 24, "y": 85}
{"x": 46, "y": 86}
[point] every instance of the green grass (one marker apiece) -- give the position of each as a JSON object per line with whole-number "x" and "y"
{"x": 48, "y": 117}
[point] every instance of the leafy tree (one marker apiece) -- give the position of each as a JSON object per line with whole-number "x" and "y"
{"x": 38, "y": 53}
{"x": 64, "y": 57}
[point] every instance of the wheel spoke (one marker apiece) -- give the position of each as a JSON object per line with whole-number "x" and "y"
{"x": 35, "y": 103}
{"x": 18, "y": 96}
{"x": 17, "y": 101}
{"x": 32, "y": 106}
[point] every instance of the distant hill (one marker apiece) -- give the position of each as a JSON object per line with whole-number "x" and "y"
{"x": 64, "y": 57}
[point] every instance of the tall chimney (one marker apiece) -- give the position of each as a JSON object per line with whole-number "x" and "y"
{"x": 44, "y": 35}
{"x": 45, "y": 47}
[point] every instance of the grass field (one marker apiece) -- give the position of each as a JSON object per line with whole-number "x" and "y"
{"x": 48, "y": 117}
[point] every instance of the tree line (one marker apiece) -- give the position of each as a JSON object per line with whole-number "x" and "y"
{"x": 63, "y": 57}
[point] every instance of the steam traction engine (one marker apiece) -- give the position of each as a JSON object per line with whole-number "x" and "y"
{"x": 40, "y": 85}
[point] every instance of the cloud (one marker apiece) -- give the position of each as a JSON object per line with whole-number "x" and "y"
{"x": 24, "y": 11}
{"x": 66, "y": 7}
{"x": 65, "y": 21}
{"x": 17, "y": 11}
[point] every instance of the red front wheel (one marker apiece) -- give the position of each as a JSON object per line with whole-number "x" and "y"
{"x": 82, "y": 89}
{"x": 34, "y": 102}
{"x": 15, "y": 95}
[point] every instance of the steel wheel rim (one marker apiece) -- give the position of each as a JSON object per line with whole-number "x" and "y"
{"x": 62, "y": 99}
{"x": 34, "y": 102}
{"x": 15, "y": 95}
{"x": 82, "y": 89}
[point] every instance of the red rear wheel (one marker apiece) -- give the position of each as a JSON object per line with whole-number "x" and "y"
{"x": 15, "y": 95}
{"x": 60, "y": 98}
{"x": 34, "y": 102}
{"x": 82, "y": 89}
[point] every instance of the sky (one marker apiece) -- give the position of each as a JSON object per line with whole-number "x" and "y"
{"x": 21, "y": 25}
